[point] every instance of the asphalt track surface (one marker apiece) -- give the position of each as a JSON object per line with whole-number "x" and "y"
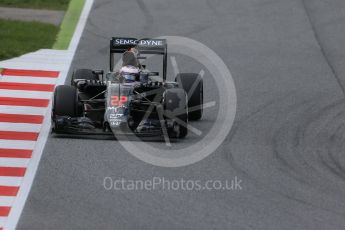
{"x": 287, "y": 144}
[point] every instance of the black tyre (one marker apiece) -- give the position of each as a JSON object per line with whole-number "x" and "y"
{"x": 65, "y": 101}
{"x": 84, "y": 74}
{"x": 176, "y": 108}
{"x": 195, "y": 93}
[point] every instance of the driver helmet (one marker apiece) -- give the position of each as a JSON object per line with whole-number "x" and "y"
{"x": 130, "y": 58}
{"x": 130, "y": 73}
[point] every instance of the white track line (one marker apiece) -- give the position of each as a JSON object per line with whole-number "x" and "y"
{"x": 14, "y": 162}
{"x": 2, "y": 221}
{"x": 25, "y": 187}
{"x": 27, "y": 110}
{"x": 17, "y": 144}
{"x": 10, "y": 180}
{"x": 6, "y": 201}
{"x": 20, "y": 127}
{"x": 32, "y": 80}
{"x": 26, "y": 94}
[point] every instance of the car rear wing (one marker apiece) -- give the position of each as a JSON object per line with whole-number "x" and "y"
{"x": 144, "y": 46}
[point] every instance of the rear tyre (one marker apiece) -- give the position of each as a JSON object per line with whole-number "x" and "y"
{"x": 195, "y": 93}
{"x": 65, "y": 101}
{"x": 176, "y": 108}
{"x": 83, "y": 74}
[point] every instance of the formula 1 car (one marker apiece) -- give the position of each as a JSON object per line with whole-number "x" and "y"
{"x": 101, "y": 103}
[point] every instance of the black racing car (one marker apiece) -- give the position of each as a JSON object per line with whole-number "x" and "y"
{"x": 99, "y": 103}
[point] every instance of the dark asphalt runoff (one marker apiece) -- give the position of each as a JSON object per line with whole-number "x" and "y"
{"x": 287, "y": 145}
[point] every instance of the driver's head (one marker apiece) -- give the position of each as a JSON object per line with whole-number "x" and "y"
{"x": 129, "y": 57}
{"x": 129, "y": 73}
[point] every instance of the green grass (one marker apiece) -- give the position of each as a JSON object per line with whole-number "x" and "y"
{"x": 18, "y": 37}
{"x": 36, "y": 4}
{"x": 69, "y": 24}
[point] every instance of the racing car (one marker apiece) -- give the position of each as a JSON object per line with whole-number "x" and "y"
{"x": 104, "y": 103}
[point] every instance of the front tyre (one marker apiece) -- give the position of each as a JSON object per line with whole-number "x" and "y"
{"x": 192, "y": 83}
{"x": 176, "y": 110}
{"x": 65, "y": 101}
